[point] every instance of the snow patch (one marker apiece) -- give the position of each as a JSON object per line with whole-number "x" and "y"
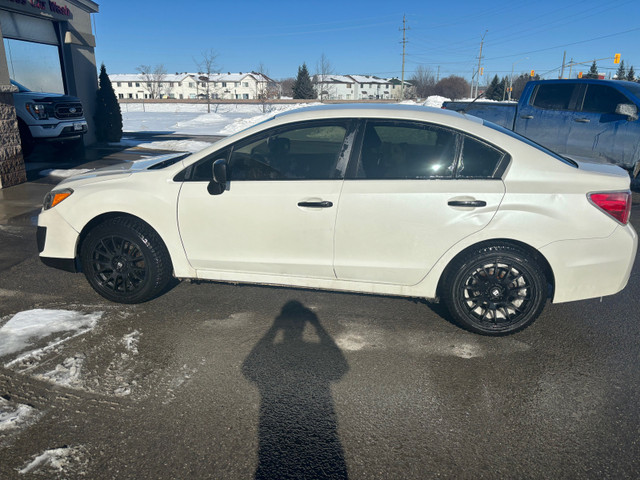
{"x": 16, "y": 416}
{"x": 58, "y": 173}
{"x": 68, "y": 374}
{"x": 57, "y": 459}
{"x": 27, "y": 328}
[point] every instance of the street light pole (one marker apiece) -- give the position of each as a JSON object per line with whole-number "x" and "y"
{"x": 511, "y": 78}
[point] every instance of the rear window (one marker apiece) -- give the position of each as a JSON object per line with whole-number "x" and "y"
{"x": 530, "y": 143}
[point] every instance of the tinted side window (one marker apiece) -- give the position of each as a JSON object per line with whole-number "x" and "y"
{"x": 602, "y": 99}
{"x": 303, "y": 152}
{"x": 478, "y": 160}
{"x": 404, "y": 150}
{"x": 553, "y": 96}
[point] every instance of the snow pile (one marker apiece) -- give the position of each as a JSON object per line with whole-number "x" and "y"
{"x": 57, "y": 459}
{"x": 67, "y": 374}
{"x": 435, "y": 101}
{"x": 243, "y": 123}
{"x": 27, "y": 328}
{"x": 16, "y": 416}
{"x": 176, "y": 145}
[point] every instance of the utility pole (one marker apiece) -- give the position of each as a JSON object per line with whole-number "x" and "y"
{"x": 564, "y": 61}
{"x": 438, "y": 75}
{"x": 404, "y": 43}
{"x": 480, "y": 62}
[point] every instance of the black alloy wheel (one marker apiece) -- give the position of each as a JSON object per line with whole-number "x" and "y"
{"x": 125, "y": 261}
{"x": 496, "y": 290}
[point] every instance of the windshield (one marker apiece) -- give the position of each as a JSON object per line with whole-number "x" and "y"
{"x": 531, "y": 143}
{"x": 21, "y": 88}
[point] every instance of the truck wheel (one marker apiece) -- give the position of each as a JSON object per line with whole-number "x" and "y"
{"x": 125, "y": 261}
{"x": 495, "y": 290}
{"x": 26, "y": 140}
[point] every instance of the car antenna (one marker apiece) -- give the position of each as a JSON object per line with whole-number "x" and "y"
{"x": 464, "y": 110}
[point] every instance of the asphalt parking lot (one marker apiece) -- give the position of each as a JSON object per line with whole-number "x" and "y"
{"x": 224, "y": 381}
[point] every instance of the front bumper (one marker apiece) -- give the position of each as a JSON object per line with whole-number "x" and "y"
{"x": 59, "y": 131}
{"x": 57, "y": 241}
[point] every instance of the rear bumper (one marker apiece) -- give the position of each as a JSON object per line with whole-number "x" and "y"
{"x": 590, "y": 268}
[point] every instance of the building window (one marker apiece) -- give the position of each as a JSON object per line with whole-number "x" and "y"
{"x": 130, "y": 84}
{"x": 120, "y": 95}
{"x": 137, "y": 84}
{"x": 245, "y": 84}
{"x": 117, "y": 84}
{"x": 224, "y": 84}
{"x": 192, "y": 85}
{"x": 245, "y": 96}
{"x": 131, "y": 95}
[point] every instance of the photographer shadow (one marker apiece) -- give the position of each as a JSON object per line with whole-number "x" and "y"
{"x": 298, "y": 430}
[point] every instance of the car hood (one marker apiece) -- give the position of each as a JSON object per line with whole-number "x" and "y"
{"x": 123, "y": 170}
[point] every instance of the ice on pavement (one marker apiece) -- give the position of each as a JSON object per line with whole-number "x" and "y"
{"x": 26, "y": 329}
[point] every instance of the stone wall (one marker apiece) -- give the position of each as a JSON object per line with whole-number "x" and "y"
{"x": 12, "y": 171}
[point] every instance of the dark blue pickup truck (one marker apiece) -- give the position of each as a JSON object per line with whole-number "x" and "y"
{"x": 587, "y": 119}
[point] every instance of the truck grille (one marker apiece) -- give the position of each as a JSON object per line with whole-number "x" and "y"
{"x": 68, "y": 110}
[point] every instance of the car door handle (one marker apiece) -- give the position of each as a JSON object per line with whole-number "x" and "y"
{"x": 323, "y": 204}
{"x": 526, "y": 117}
{"x": 467, "y": 203}
{"x": 581, "y": 120}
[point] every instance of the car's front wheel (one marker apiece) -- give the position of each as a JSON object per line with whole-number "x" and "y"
{"x": 495, "y": 290}
{"x": 125, "y": 260}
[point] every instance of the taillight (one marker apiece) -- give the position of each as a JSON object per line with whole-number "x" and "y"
{"x": 616, "y": 204}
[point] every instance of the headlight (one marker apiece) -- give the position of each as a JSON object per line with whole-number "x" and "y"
{"x": 55, "y": 197}
{"x": 38, "y": 110}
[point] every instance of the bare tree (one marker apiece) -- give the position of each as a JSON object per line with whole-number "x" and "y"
{"x": 206, "y": 67}
{"x": 322, "y": 78}
{"x": 452, "y": 87}
{"x": 266, "y": 89}
{"x": 286, "y": 86}
{"x": 153, "y": 78}
{"x": 423, "y": 81}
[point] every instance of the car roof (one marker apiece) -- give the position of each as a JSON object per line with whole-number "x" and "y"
{"x": 370, "y": 109}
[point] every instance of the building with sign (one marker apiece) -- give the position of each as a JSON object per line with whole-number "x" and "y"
{"x": 47, "y": 46}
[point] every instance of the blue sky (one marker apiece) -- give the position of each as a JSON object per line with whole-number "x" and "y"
{"x": 365, "y": 37}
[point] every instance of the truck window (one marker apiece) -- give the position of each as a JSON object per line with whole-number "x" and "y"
{"x": 553, "y": 96}
{"x": 602, "y": 99}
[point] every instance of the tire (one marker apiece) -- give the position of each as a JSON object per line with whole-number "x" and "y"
{"x": 495, "y": 290}
{"x": 125, "y": 261}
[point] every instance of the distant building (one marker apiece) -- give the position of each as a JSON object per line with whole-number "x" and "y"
{"x": 225, "y": 86}
{"x": 358, "y": 87}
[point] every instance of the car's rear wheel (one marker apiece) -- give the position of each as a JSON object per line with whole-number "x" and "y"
{"x": 495, "y": 290}
{"x": 125, "y": 260}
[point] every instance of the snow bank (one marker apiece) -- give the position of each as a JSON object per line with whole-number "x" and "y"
{"x": 57, "y": 459}
{"x": 16, "y": 416}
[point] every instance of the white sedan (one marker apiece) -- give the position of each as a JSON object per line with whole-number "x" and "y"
{"x": 395, "y": 200}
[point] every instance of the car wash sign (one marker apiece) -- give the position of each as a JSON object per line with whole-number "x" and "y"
{"x": 47, "y": 8}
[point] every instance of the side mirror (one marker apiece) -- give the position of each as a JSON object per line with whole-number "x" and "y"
{"x": 219, "y": 174}
{"x": 629, "y": 110}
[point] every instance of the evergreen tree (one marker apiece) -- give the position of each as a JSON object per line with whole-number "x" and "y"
{"x": 492, "y": 92}
{"x": 631, "y": 74}
{"x": 621, "y": 74}
{"x": 108, "y": 116}
{"x": 593, "y": 71}
{"x": 302, "y": 87}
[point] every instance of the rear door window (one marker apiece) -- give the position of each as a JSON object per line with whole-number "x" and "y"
{"x": 406, "y": 150}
